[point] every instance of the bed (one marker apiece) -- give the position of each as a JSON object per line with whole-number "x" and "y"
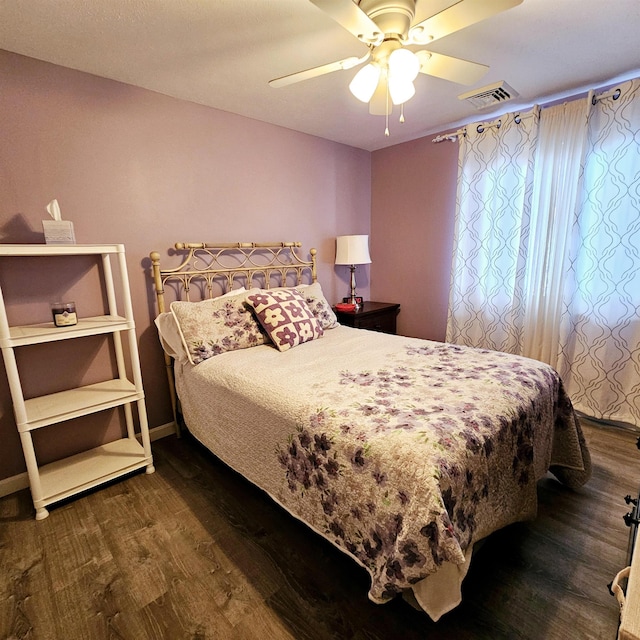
{"x": 403, "y": 453}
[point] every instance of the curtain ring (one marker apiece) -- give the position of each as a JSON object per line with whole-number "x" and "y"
{"x": 499, "y": 124}
{"x": 615, "y": 95}
{"x": 517, "y": 119}
{"x": 480, "y": 128}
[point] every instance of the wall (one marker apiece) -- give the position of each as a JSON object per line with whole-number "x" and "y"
{"x": 412, "y": 218}
{"x": 135, "y": 167}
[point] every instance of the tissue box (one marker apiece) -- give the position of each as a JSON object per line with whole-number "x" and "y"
{"x": 58, "y": 232}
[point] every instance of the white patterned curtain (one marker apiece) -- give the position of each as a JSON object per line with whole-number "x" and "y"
{"x": 600, "y": 330}
{"x": 493, "y": 205}
{"x": 559, "y": 159}
{"x": 546, "y": 259}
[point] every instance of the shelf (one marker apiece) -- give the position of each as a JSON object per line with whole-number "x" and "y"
{"x": 74, "y": 474}
{"x": 20, "y": 336}
{"x": 73, "y": 403}
{"x": 59, "y": 249}
{"x": 64, "y": 478}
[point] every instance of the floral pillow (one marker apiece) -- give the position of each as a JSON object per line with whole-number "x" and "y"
{"x": 285, "y": 316}
{"x": 211, "y": 327}
{"x": 321, "y": 309}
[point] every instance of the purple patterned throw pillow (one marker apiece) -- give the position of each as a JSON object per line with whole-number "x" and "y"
{"x": 286, "y": 317}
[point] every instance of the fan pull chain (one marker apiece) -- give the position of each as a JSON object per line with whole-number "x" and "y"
{"x": 402, "y": 113}
{"x": 386, "y": 114}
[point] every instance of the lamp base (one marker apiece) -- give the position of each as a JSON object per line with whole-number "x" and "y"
{"x": 353, "y": 298}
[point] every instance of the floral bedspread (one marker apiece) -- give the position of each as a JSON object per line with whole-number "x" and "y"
{"x": 402, "y": 452}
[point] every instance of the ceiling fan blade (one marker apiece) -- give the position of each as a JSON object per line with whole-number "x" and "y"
{"x": 380, "y": 103}
{"x": 458, "y": 16}
{"x": 314, "y": 72}
{"x": 352, "y": 18}
{"x": 448, "y": 68}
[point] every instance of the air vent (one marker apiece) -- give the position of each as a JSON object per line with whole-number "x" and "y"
{"x": 490, "y": 95}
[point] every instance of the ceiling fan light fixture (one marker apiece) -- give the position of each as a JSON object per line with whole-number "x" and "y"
{"x": 401, "y": 90}
{"x": 418, "y": 35}
{"x": 387, "y": 27}
{"x": 364, "y": 83}
{"x": 404, "y": 65}
{"x": 349, "y": 63}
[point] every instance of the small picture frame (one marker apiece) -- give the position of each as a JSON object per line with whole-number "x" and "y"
{"x": 348, "y": 299}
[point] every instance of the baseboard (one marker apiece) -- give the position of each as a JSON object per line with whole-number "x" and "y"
{"x": 21, "y": 481}
{"x": 13, "y": 484}
{"x": 162, "y": 431}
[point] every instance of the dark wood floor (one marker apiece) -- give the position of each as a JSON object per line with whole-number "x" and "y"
{"x": 194, "y": 551}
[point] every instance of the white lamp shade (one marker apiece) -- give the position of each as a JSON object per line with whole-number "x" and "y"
{"x": 364, "y": 83}
{"x": 352, "y": 250}
{"x": 404, "y": 64}
{"x": 401, "y": 90}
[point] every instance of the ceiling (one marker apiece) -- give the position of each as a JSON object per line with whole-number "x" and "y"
{"x": 222, "y": 53}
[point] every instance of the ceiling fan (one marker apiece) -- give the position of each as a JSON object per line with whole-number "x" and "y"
{"x": 386, "y": 27}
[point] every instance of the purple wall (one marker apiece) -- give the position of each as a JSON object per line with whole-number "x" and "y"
{"x": 412, "y": 217}
{"x": 135, "y": 167}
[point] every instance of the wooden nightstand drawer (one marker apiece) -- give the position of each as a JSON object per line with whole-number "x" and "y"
{"x": 385, "y": 323}
{"x": 374, "y": 316}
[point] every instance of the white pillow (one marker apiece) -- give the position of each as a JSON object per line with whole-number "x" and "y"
{"x": 170, "y": 337}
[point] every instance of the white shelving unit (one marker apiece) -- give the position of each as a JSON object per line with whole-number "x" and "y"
{"x": 69, "y": 476}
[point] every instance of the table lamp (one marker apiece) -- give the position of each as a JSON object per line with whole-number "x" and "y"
{"x": 353, "y": 250}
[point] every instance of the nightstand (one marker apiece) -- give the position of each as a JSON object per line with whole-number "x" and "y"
{"x": 375, "y": 316}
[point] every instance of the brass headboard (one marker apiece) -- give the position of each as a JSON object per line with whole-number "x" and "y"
{"x": 213, "y": 269}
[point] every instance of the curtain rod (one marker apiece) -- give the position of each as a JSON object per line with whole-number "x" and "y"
{"x": 480, "y": 127}
{"x": 452, "y": 137}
